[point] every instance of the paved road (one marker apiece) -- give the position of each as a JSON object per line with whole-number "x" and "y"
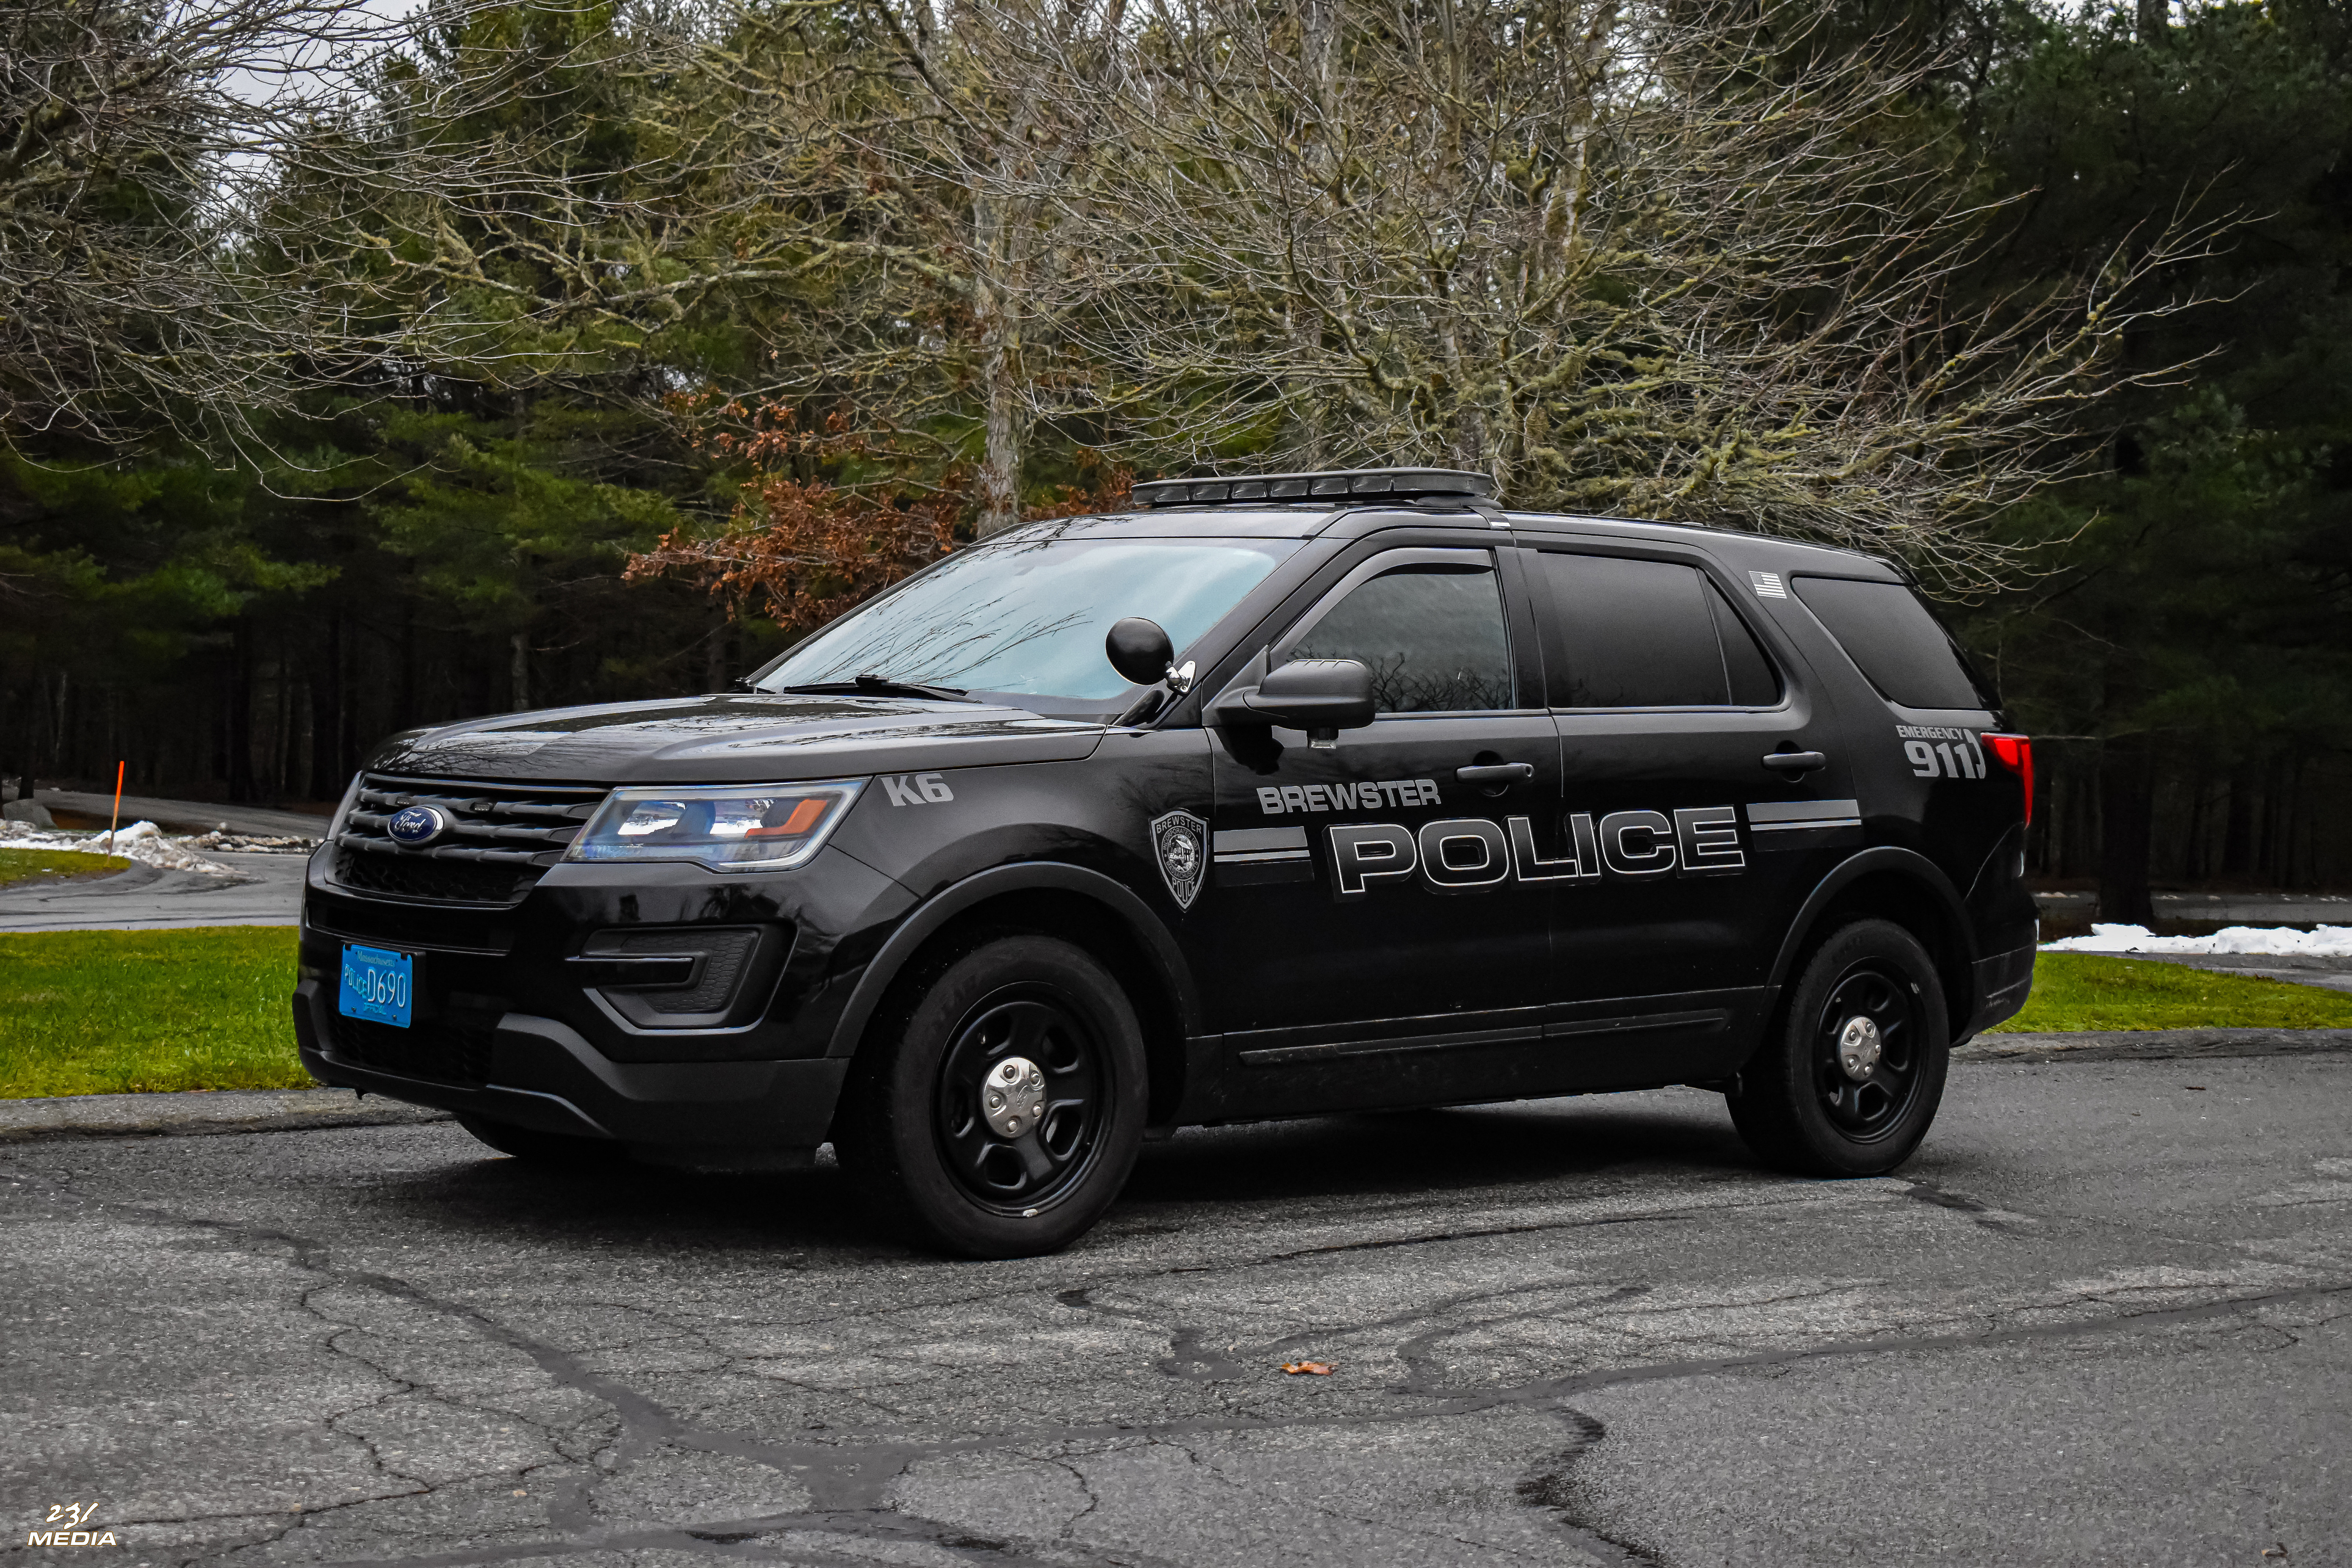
{"x": 186, "y": 816}
{"x": 2106, "y": 1318}
{"x": 268, "y": 891}
{"x": 2238, "y": 908}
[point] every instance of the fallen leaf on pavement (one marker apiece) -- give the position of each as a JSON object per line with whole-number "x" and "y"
{"x": 1314, "y": 1368}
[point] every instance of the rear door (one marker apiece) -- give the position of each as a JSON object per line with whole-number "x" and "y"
{"x": 1704, "y": 795}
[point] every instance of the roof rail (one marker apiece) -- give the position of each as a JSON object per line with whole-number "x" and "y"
{"x": 1335, "y": 484}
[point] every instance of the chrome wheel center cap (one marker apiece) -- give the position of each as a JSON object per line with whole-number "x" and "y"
{"x": 1012, "y": 1097}
{"x": 1859, "y": 1047}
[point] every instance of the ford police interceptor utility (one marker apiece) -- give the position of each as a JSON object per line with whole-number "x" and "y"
{"x": 1268, "y": 797}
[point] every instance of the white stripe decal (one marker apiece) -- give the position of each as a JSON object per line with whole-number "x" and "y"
{"x": 1236, "y": 840}
{"x": 1802, "y": 811}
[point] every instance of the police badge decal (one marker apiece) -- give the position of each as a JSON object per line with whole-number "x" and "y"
{"x": 1182, "y": 841}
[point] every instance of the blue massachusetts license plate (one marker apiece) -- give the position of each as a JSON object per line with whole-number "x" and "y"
{"x": 378, "y": 984}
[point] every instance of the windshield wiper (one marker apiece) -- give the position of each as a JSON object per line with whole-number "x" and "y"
{"x": 878, "y": 686}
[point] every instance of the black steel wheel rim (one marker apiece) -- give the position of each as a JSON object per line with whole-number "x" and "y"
{"x": 1870, "y": 1108}
{"x": 1018, "y": 1176}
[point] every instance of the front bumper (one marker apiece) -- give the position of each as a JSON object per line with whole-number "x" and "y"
{"x": 540, "y": 1074}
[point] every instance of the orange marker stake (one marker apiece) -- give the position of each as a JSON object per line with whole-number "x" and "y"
{"x": 117, "y": 820}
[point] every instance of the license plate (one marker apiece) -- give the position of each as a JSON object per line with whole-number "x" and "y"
{"x": 379, "y": 984}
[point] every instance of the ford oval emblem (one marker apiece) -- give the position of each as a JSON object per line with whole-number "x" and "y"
{"x": 414, "y": 827}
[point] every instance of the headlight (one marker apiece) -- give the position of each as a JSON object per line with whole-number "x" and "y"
{"x": 739, "y": 828}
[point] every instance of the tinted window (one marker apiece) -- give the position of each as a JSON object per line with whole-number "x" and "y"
{"x": 1894, "y": 640}
{"x": 1432, "y": 636}
{"x": 1644, "y": 634}
{"x": 1754, "y": 682}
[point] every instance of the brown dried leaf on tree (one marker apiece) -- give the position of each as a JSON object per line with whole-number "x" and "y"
{"x": 799, "y": 551}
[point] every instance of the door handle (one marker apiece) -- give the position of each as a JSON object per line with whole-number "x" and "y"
{"x": 1495, "y": 772}
{"x": 1795, "y": 761}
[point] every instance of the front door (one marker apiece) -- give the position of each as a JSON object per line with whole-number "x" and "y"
{"x": 1374, "y": 942}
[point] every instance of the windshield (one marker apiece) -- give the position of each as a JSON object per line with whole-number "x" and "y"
{"x": 1029, "y": 617}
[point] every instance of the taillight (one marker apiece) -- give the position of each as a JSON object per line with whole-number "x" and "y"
{"x": 2016, "y": 754}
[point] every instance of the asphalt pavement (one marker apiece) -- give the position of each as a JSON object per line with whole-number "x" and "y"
{"x": 266, "y": 890}
{"x": 2106, "y": 1317}
{"x": 184, "y": 815}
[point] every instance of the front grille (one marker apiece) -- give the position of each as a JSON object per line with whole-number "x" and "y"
{"x": 410, "y": 876}
{"x": 443, "y": 1051}
{"x": 502, "y": 838}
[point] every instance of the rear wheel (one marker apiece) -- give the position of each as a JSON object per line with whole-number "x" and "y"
{"x": 998, "y": 1107}
{"x": 553, "y": 1150}
{"x": 1851, "y": 1079}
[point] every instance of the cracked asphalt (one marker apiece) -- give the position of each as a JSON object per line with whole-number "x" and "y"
{"x": 2104, "y": 1317}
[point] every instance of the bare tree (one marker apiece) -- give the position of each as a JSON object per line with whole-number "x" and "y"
{"x": 133, "y": 137}
{"x": 1640, "y": 259}
{"x": 980, "y": 125}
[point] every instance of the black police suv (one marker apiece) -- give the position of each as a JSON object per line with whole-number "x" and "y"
{"x": 1268, "y": 797}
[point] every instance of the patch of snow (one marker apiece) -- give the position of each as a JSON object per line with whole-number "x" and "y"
{"x": 2326, "y": 942}
{"x": 141, "y": 841}
{"x": 251, "y": 844}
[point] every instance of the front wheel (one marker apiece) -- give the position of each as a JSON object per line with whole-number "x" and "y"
{"x": 999, "y": 1106}
{"x": 1850, "y": 1081}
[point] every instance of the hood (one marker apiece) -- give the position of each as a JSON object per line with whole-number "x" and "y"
{"x": 743, "y": 738}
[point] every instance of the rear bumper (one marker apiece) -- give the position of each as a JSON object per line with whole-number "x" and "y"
{"x": 2003, "y": 983}
{"x": 540, "y": 1074}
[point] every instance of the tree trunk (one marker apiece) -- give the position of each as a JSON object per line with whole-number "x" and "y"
{"x": 520, "y": 671}
{"x": 328, "y": 774}
{"x": 714, "y": 660}
{"x": 2126, "y": 827}
{"x": 240, "y": 713}
{"x": 999, "y": 348}
{"x": 2237, "y": 826}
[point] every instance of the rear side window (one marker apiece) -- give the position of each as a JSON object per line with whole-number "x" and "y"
{"x": 1895, "y": 642}
{"x": 1650, "y": 634}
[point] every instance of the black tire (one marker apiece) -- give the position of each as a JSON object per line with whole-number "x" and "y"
{"x": 1800, "y": 1108}
{"x": 915, "y": 1139}
{"x": 551, "y": 1151}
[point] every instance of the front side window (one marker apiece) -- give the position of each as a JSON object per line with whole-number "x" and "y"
{"x": 1028, "y": 616}
{"x": 1432, "y": 634}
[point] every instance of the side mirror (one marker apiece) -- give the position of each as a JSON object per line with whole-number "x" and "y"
{"x": 1140, "y": 650}
{"x": 1320, "y": 696}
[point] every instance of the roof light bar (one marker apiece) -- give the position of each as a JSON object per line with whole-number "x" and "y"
{"x": 1391, "y": 484}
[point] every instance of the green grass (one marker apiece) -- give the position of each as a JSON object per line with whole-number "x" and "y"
{"x": 126, "y": 1012}
{"x": 56, "y": 865}
{"x": 119, "y": 1012}
{"x": 2085, "y": 991}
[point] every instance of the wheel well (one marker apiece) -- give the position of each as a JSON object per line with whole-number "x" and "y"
{"x": 1098, "y": 930}
{"x": 1907, "y": 902}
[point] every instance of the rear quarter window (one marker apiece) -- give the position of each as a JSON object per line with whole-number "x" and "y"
{"x": 1894, "y": 642}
